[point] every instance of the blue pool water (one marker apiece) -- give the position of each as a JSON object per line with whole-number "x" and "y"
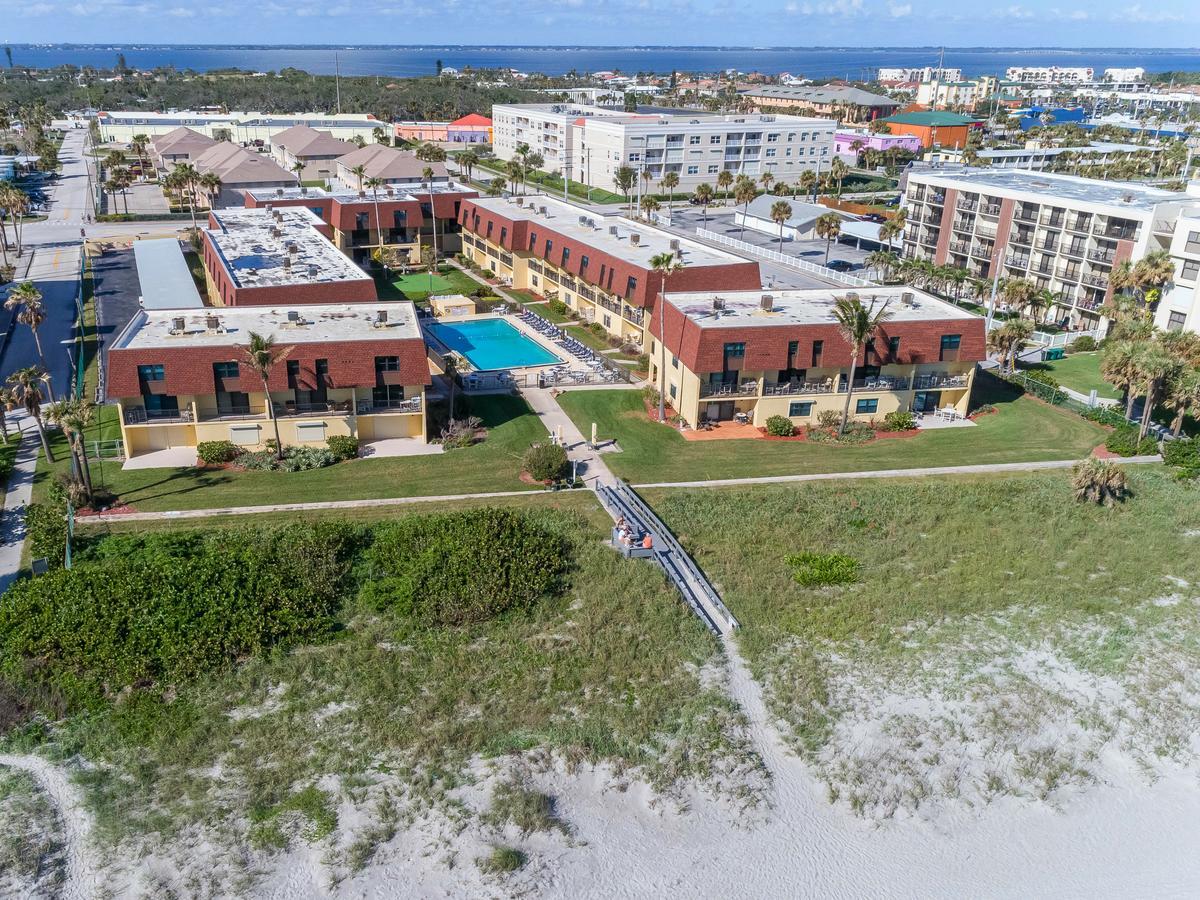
{"x": 492, "y": 344}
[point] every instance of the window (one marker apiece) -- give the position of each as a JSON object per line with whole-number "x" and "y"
{"x": 532, "y": 240}
{"x": 630, "y": 287}
{"x": 154, "y": 373}
{"x": 800, "y": 408}
{"x": 387, "y": 364}
{"x": 674, "y": 391}
{"x": 1190, "y": 270}
{"x": 566, "y": 256}
{"x": 1193, "y": 242}
{"x": 489, "y": 230}
{"x": 583, "y": 264}
{"x": 772, "y": 138}
{"x": 791, "y": 136}
{"x": 866, "y": 406}
{"x": 293, "y": 372}
{"x": 893, "y": 345}
{"x": 310, "y": 432}
{"x": 693, "y": 170}
{"x": 950, "y": 344}
{"x": 715, "y": 139}
{"x": 362, "y": 221}
{"x": 694, "y": 139}
{"x": 1176, "y": 320}
{"x": 504, "y": 235}
{"x": 713, "y": 170}
{"x": 674, "y": 362}
{"x": 549, "y": 247}
{"x": 818, "y": 349}
{"x": 243, "y": 435}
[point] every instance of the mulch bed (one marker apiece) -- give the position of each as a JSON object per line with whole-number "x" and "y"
{"x": 802, "y": 435}
{"x": 120, "y": 510}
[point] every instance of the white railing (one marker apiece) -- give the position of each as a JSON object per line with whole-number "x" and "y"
{"x": 775, "y": 256}
{"x": 1064, "y": 339}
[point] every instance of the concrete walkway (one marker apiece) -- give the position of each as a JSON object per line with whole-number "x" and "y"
{"x": 16, "y": 498}
{"x": 984, "y": 469}
{"x": 557, "y": 422}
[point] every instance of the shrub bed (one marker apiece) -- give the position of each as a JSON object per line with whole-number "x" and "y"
{"x": 342, "y": 446}
{"x": 462, "y": 568}
{"x": 215, "y": 453}
{"x": 780, "y": 426}
{"x": 545, "y": 462}
{"x": 898, "y": 421}
{"x": 1124, "y": 442}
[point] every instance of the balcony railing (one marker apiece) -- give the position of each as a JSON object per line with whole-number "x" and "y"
{"x": 1047, "y": 246}
{"x": 288, "y": 408}
{"x": 879, "y": 383}
{"x": 139, "y": 416}
{"x": 1025, "y": 215}
{"x": 1025, "y": 240}
{"x": 928, "y": 382}
{"x": 1101, "y": 256}
{"x": 1016, "y": 259}
{"x": 1079, "y": 224}
{"x": 966, "y": 204}
{"x": 373, "y": 407}
{"x": 960, "y": 246}
{"x": 936, "y": 199}
{"x": 1076, "y": 250}
{"x": 232, "y": 413}
{"x": 982, "y": 251}
{"x": 1055, "y": 220}
{"x": 990, "y": 210}
{"x": 789, "y": 388}
{"x": 963, "y": 224}
{"x": 1114, "y": 232}
{"x": 744, "y": 389}
{"x": 1065, "y": 274}
{"x": 1096, "y": 280}
{"x": 634, "y": 314}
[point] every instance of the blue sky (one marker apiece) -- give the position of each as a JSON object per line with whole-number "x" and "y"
{"x": 1064, "y": 23}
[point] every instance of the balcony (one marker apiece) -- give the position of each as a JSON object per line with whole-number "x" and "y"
{"x": 1079, "y": 223}
{"x": 1054, "y": 220}
{"x": 139, "y": 416}
{"x": 1075, "y": 250}
{"x": 1023, "y": 239}
{"x": 1025, "y": 215}
{"x": 288, "y": 409}
{"x": 982, "y": 251}
{"x": 1047, "y": 246}
{"x": 373, "y": 408}
{"x": 1066, "y": 274}
{"x": 960, "y": 246}
{"x": 1101, "y": 256}
{"x": 792, "y": 388}
{"x": 992, "y": 209}
{"x": 936, "y": 199}
{"x": 1115, "y": 233}
{"x": 930, "y": 382}
{"x": 232, "y": 414}
{"x": 963, "y": 224}
{"x": 965, "y": 204}
{"x": 634, "y": 314}
{"x": 879, "y": 383}
{"x": 1017, "y": 259}
{"x": 1095, "y": 280}
{"x": 718, "y": 389}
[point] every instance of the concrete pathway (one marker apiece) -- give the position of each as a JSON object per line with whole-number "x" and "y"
{"x": 984, "y": 469}
{"x": 16, "y": 498}
{"x": 557, "y": 422}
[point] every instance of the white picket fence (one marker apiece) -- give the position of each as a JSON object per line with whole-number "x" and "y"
{"x": 782, "y": 258}
{"x": 1064, "y": 339}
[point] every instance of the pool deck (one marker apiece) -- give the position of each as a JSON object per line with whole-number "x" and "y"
{"x": 515, "y": 323}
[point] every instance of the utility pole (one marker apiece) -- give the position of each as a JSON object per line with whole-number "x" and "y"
{"x": 337, "y": 82}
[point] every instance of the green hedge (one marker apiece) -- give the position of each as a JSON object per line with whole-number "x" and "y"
{"x": 462, "y": 568}
{"x": 1124, "y": 442}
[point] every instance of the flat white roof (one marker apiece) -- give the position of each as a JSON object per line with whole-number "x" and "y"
{"x": 163, "y": 275}
{"x": 573, "y": 221}
{"x": 347, "y": 195}
{"x": 314, "y": 324}
{"x": 615, "y": 116}
{"x": 809, "y": 307}
{"x": 256, "y": 256}
{"x": 1047, "y": 187}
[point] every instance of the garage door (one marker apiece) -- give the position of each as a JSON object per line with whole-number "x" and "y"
{"x": 395, "y": 426}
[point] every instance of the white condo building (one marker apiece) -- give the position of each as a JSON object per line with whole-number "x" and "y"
{"x": 239, "y": 127}
{"x": 1050, "y": 74}
{"x": 1063, "y": 233}
{"x": 589, "y": 143}
{"x": 1135, "y": 73}
{"x": 921, "y": 73}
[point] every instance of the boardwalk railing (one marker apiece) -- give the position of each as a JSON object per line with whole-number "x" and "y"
{"x": 1064, "y": 339}
{"x": 689, "y": 580}
{"x": 782, "y": 258}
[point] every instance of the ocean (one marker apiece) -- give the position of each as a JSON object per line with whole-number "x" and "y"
{"x": 402, "y": 61}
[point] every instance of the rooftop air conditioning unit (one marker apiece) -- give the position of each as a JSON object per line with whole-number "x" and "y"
{"x": 293, "y": 248}
{"x": 908, "y": 298}
{"x": 635, "y": 238}
{"x": 766, "y": 303}
{"x": 277, "y": 214}
{"x": 212, "y": 323}
{"x": 293, "y": 317}
{"x": 520, "y": 201}
{"x": 178, "y": 325}
{"x": 312, "y": 271}
{"x": 388, "y": 190}
{"x": 268, "y": 206}
{"x": 303, "y": 191}
{"x": 287, "y": 262}
{"x": 718, "y": 304}
{"x": 613, "y": 230}
{"x": 674, "y": 243}
{"x": 585, "y": 221}
{"x": 381, "y": 317}
{"x": 543, "y": 211}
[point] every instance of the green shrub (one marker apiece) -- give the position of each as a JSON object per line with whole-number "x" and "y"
{"x": 462, "y": 568}
{"x": 855, "y": 433}
{"x": 1041, "y": 376}
{"x": 1183, "y": 453}
{"x": 983, "y": 408}
{"x": 829, "y": 418}
{"x": 1124, "y": 442}
{"x": 1083, "y": 344}
{"x": 545, "y": 462}
{"x": 820, "y": 569}
{"x": 780, "y": 426}
{"x": 157, "y": 608}
{"x": 1105, "y": 415}
{"x": 302, "y": 459}
{"x": 899, "y": 421}
{"x": 502, "y": 860}
{"x": 46, "y": 532}
{"x": 597, "y": 329}
{"x": 258, "y": 461}
{"x": 216, "y": 452}
{"x": 343, "y": 446}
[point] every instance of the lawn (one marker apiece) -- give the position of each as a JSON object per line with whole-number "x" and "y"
{"x": 990, "y": 614}
{"x": 449, "y": 280}
{"x": 493, "y": 465}
{"x": 1023, "y": 429}
{"x": 1080, "y": 372}
{"x": 385, "y": 718}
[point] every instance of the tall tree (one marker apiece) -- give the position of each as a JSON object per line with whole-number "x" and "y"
{"x": 26, "y": 385}
{"x": 624, "y": 179}
{"x": 704, "y": 196}
{"x": 857, "y": 324}
{"x": 26, "y": 299}
{"x": 744, "y": 193}
{"x": 374, "y": 184}
{"x": 263, "y": 355}
{"x": 724, "y": 180}
{"x": 666, "y": 265}
{"x": 670, "y": 181}
{"x": 828, "y": 228}
{"x": 781, "y": 211}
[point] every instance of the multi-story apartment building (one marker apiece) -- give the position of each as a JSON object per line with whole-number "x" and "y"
{"x": 314, "y": 150}
{"x": 181, "y": 377}
{"x": 598, "y": 265}
{"x": 768, "y": 353}
{"x": 399, "y": 168}
{"x": 407, "y": 216}
{"x": 272, "y": 257}
{"x": 1063, "y": 233}
{"x": 975, "y": 94}
{"x": 589, "y": 143}
{"x": 240, "y": 127}
{"x": 1034, "y": 158}
{"x": 1050, "y": 74}
{"x": 921, "y": 73}
{"x": 841, "y": 101}
{"x": 1180, "y": 306}
{"x": 1121, "y": 75}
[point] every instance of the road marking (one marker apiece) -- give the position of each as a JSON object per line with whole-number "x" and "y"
{"x": 54, "y": 262}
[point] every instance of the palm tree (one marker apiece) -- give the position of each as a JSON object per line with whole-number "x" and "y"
{"x": 743, "y": 193}
{"x": 828, "y": 228}
{"x": 1154, "y": 365}
{"x": 1099, "y": 481}
{"x": 857, "y": 325}
{"x": 704, "y": 196}
{"x": 838, "y": 170}
{"x": 781, "y": 211}
{"x": 808, "y": 182}
{"x": 649, "y": 206}
{"x": 138, "y": 145}
{"x": 8, "y": 402}
{"x": 73, "y": 416}
{"x": 893, "y": 227}
{"x": 185, "y": 176}
{"x": 766, "y": 179}
{"x": 263, "y": 356}
{"x": 31, "y": 311}
{"x": 211, "y": 184}
{"x": 427, "y": 176}
{"x": 670, "y": 181}
{"x": 429, "y": 260}
{"x": 724, "y": 180}
{"x": 26, "y": 385}
{"x": 375, "y": 184}
{"x": 646, "y": 179}
{"x": 359, "y": 172}
{"x": 1007, "y": 342}
{"x": 496, "y": 186}
{"x": 467, "y": 161}
{"x": 450, "y": 371}
{"x": 1040, "y": 301}
{"x": 624, "y": 178}
{"x": 1152, "y": 272}
{"x": 1183, "y": 395}
{"x": 1118, "y": 366}
{"x": 298, "y": 169}
{"x": 666, "y": 265}
{"x": 516, "y": 173}
{"x": 883, "y": 262}
{"x": 1018, "y": 292}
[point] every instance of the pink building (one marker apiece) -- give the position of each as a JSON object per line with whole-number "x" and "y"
{"x": 843, "y": 143}
{"x": 470, "y": 129}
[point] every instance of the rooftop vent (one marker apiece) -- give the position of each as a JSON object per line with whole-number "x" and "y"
{"x": 381, "y": 318}
{"x": 178, "y": 325}
{"x": 293, "y": 247}
{"x": 717, "y": 304}
{"x": 294, "y": 317}
{"x": 585, "y": 221}
{"x": 287, "y": 262}
{"x": 908, "y": 298}
{"x": 212, "y": 323}
{"x": 674, "y": 243}
{"x": 312, "y": 271}
{"x": 303, "y": 191}
{"x": 635, "y": 238}
{"x": 268, "y": 206}
{"x": 520, "y": 201}
{"x": 543, "y": 211}
{"x": 612, "y": 229}
{"x": 388, "y": 190}
{"x": 277, "y": 214}
{"x": 766, "y": 303}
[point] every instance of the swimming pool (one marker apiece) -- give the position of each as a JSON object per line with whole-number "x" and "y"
{"x": 490, "y": 344}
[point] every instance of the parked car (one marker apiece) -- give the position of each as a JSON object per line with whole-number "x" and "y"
{"x": 874, "y": 217}
{"x": 839, "y": 265}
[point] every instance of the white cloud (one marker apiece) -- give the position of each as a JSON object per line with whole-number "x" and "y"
{"x": 1136, "y": 13}
{"x": 1016, "y": 12}
{"x": 900, "y": 10}
{"x": 844, "y": 9}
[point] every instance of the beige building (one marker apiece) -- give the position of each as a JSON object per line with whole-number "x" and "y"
{"x": 315, "y": 150}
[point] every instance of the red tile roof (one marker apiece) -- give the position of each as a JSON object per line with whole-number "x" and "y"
{"x": 472, "y": 119}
